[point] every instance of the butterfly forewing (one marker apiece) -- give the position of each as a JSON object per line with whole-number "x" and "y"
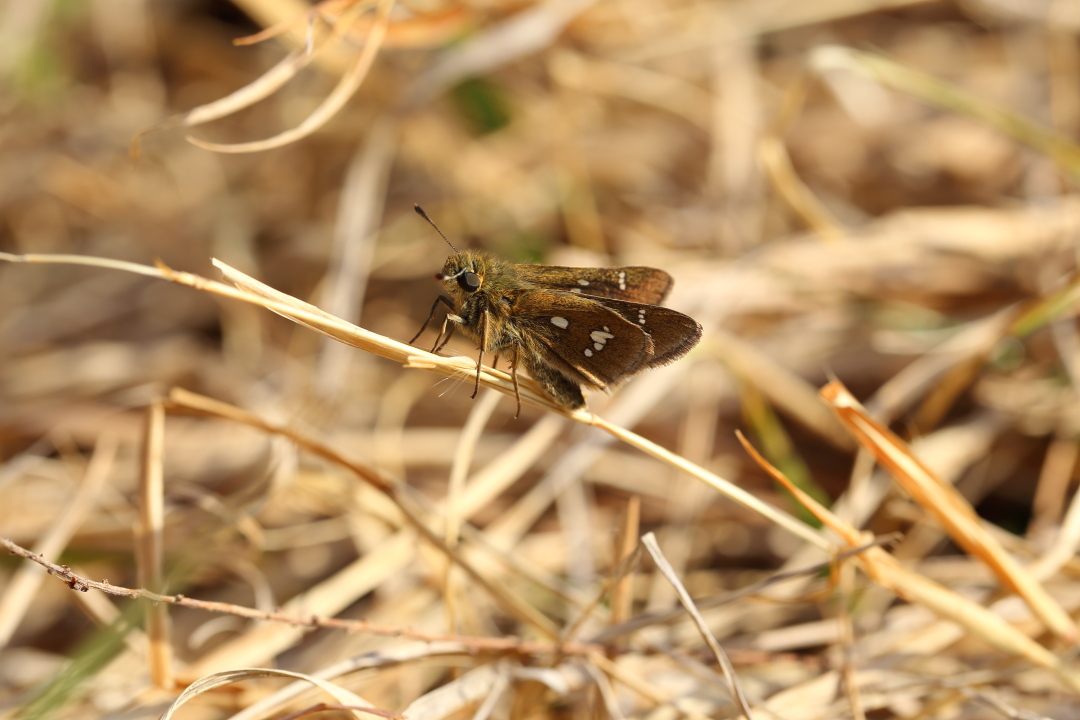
{"x": 597, "y": 342}
{"x": 636, "y": 284}
{"x": 673, "y": 334}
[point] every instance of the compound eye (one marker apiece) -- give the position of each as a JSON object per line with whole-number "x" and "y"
{"x": 469, "y": 281}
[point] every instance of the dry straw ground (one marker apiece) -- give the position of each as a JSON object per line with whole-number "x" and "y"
{"x": 258, "y": 515}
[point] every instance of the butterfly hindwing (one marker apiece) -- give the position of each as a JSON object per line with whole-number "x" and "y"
{"x": 582, "y": 337}
{"x": 673, "y": 334}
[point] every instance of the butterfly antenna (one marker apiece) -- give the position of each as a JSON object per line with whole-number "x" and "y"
{"x": 420, "y": 211}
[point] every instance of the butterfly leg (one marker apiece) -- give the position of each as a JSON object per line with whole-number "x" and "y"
{"x": 513, "y": 376}
{"x": 483, "y": 344}
{"x": 440, "y": 299}
{"x": 449, "y": 334}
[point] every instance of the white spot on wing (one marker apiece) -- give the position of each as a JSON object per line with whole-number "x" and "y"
{"x": 600, "y": 338}
{"x": 583, "y": 283}
{"x": 641, "y": 317}
{"x": 560, "y": 322}
{"x": 622, "y": 279}
{"x": 588, "y": 352}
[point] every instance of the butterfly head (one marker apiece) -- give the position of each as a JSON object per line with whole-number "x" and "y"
{"x": 463, "y": 274}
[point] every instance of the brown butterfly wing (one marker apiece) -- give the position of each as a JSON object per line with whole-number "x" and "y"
{"x": 580, "y": 337}
{"x": 636, "y": 284}
{"x": 673, "y": 334}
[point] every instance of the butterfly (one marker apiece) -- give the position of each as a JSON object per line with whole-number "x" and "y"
{"x": 568, "y": 327}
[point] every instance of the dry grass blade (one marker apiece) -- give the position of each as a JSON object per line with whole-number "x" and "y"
{"x": 454, "y": 697}
{"x": 266, "y": 85}
{"x": 490, "y": 481}
{"x": 915, "y": 588}
{"x": 261, "y": 88}
{"x": 963, "y": 351}
{"x": 334, "y": 102}
{"x": 524, "y": 33}
{"x": 625, "y": 548}
{"x": 1065, "y": 544}
{"x": 650, "y": 692}
{"x": 479, "y": 416}
{"x": 649, "y": 541}
{"x": 387, "y": 658}
{"x": 22, "y": 587}
{"x": 150, "y": 543}
{"x": 726, "y": 488}
{"x": 354, "y": 241}
{"x": 355, "y": 704}
{"x": 950, "y": 508}
{"x": 785, "y": 179}
{"x": 664, "y": 92}
{"x": 663, "y": 617}
{"x": 619, "y": 578}
{"x": 606, "y": 692}
{"x": 524, "y": 611}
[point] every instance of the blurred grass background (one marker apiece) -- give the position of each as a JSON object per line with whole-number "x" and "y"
{"x": 875, "y": 191}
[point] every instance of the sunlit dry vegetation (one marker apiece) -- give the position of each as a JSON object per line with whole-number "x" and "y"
{"x": 853, "y": 499}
